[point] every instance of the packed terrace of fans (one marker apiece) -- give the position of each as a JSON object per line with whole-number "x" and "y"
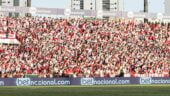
{"x": 84, "y": 48}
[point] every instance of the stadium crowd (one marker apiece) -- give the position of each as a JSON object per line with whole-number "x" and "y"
{"x": 84, "y": 48}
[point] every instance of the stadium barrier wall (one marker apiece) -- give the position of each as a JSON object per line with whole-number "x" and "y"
{"x": 82, "y": 13}
{"x": 80, "y": 81}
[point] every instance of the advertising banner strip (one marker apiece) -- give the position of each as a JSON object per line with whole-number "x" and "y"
{"x": 80, "y": 81}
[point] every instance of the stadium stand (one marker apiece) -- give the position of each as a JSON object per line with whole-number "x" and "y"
{"x": 84, "y": 48}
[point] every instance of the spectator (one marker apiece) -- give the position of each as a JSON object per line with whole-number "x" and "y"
{"x": 85, "y": 48}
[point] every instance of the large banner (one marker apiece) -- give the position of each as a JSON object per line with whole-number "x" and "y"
{"x": 80, "y": 81}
